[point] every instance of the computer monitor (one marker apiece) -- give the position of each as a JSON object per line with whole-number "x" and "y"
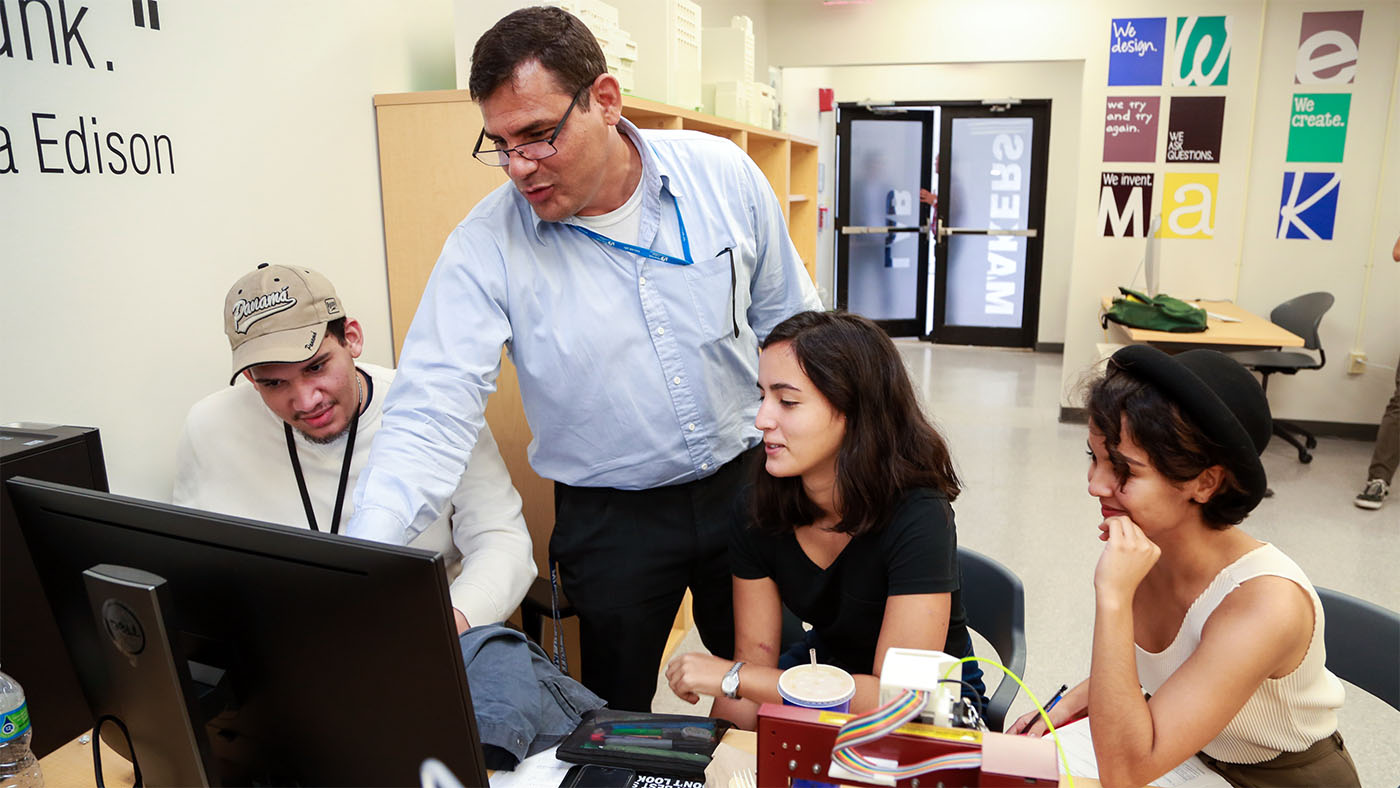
{"x": 295, "y": 657}
{"x": 31, "y": 648}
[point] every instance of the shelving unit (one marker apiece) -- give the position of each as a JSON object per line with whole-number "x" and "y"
{"x": 428, "y": 182}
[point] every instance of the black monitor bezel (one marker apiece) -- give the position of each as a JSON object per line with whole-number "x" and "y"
{"x": 50, "y": 514}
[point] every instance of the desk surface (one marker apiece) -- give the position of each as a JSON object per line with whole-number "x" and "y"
{"x": 71, "y": 764}
{"x": 1251, "y": 330}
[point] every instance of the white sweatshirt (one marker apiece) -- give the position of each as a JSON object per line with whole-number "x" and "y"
{"x": 233, "y": 460}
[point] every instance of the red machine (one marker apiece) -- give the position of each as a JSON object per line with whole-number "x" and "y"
{"x": 795, "y": 742}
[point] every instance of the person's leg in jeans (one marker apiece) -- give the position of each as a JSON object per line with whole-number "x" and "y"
{"x": 1386, "y": 455}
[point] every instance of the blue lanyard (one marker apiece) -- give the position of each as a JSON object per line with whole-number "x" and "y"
{"x": 642, "y": 251}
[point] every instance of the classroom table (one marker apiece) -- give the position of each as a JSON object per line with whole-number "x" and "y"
{"x": 1251, "y": 332}
{"x": 71, "y": 764}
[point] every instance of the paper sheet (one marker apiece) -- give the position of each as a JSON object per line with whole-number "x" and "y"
{"x": 540, "y": 769}
{"x": 1079, "y": 751}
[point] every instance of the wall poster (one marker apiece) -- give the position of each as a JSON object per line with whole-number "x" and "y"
{"x": 1194, "y": 128}
{"x": 1317, "y": 126}
{"x": 1135, "y": 50}
{"x": 1308, "y": 207}
{"x": 1125, "y": 203}
{"x": 1188, "y": 204}
{"x": 1329, "y": 45}
{"x": 1201, "y": 51}
{"x": 1130, "y": 128}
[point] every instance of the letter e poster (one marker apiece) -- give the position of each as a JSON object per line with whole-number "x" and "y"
{"x": 1329, "y": 46}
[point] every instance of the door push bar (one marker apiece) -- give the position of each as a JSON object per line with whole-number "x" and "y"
{"x": 923, "y": 228}
{"x": 944, "y": 231}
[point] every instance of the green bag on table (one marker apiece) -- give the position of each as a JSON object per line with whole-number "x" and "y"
{"x": 1159, "y": 313}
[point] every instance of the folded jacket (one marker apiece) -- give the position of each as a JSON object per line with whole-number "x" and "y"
{"x": 523, "y": 704}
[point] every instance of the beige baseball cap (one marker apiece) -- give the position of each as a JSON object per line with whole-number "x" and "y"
{"x": 278, "y": 314}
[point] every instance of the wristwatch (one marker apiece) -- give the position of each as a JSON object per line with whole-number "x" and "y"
{"x": 729, "y": 685}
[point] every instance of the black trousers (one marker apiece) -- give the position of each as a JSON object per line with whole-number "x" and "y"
{"x": 626, "y": 558}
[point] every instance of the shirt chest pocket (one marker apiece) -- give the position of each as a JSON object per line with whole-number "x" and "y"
{"x": 712, "y": 284}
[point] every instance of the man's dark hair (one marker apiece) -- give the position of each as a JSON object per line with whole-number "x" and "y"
{"x": 336, "y": 328}
{"x": 552, "y": 36}
{"x": 1175, "y": 445}
{"x": 889, "y": 447}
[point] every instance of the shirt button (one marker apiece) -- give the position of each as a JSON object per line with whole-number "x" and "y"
{"x": 676, "y": 380}
{"x": 660, "y": 330}
{"x": 690, "y": 426}
{"x": 704, "y": 466}
{"x": 642, "y": 280}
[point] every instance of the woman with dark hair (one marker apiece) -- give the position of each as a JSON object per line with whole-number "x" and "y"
{"x": 848, "y": 522}
{"x": 1223, "y": 633}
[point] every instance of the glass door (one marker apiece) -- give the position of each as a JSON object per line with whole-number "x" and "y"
{"x": 992, "y": 207}
{"x": 884, "y": 159}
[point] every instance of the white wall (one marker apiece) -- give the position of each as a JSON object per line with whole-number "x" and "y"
{"x": 111, "y": 286}
{"x": 1059, "y": 81}
{"x": 1244, "y": 261}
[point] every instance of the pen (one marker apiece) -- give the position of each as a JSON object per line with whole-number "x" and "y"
{"x": 1060, "y": 693}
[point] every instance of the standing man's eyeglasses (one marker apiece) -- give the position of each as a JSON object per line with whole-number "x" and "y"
{"x": 530, "y": 151}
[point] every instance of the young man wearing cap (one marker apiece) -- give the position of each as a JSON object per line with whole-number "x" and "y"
{"x": 288, "y": 448}
{"x": 631, "y": 274}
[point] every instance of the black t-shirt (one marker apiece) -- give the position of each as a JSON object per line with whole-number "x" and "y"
{"x": 916, "y": 552}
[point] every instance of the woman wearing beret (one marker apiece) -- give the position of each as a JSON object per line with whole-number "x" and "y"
{"x": 1206, "y": 640}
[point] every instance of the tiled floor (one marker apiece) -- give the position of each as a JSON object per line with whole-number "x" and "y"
{"x": 1024, "y": 503}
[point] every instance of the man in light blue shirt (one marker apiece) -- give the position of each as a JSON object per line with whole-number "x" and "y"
{"x": 631, "y": 275}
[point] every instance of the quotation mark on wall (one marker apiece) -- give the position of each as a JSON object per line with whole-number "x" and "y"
{"x": 143, "y": 10}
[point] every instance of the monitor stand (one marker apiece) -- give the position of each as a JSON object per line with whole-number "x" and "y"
{"x": 148, "y": 687}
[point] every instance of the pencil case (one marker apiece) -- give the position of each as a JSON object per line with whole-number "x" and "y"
{"x": 677, "y": 745}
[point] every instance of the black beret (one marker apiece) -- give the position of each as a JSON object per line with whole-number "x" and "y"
{"x": 1216, "y": 394}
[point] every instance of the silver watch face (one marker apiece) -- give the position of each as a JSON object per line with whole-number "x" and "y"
{"x": 730, "y": 683}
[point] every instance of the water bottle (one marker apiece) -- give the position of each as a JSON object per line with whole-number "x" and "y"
{"x": 18, "y": 766}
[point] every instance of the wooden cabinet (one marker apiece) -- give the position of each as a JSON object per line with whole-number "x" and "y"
{"x": 429, "y": 182}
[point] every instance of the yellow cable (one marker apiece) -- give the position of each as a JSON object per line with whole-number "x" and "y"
{"x": 1044, "y": 716}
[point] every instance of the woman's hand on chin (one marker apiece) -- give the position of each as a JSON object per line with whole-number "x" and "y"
{"x": 1127, "y": 558}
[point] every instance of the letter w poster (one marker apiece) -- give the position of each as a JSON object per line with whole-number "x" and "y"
{"x": 1201, "y": 52}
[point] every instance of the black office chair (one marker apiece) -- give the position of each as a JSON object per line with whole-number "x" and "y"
{"x": 1302, "y": 316}
{"x": 1363, "y": 644}
{"x": 995, "y": 603}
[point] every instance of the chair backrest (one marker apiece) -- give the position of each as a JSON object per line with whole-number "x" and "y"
{"x": 995, "y": 603}
{"x": 1363, "y": 644}
{"x": 1303, "y": 315}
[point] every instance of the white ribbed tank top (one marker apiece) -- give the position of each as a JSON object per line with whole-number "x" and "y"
{"x": 1284, "y": 715}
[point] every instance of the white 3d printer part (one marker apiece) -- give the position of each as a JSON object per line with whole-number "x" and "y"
{"x": 915, "y": 669}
